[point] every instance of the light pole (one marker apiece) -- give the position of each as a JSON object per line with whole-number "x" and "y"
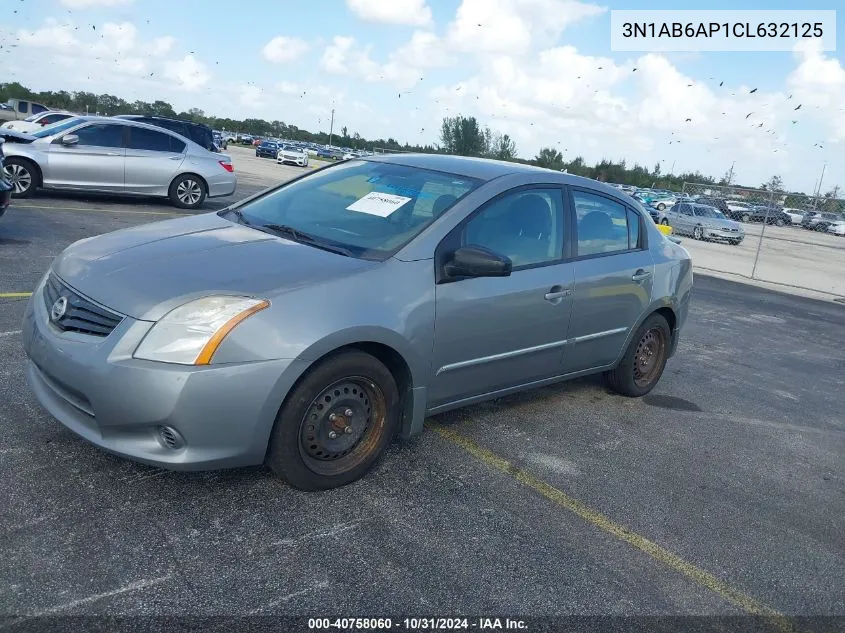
{"x": 331, "y": 128}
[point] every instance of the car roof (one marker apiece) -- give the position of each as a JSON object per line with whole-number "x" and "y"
{"x": 470, "y": 167}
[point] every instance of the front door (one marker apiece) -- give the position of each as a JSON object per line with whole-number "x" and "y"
{"x": 614, "y": 272}
{"x": 498, "y": 332}
{"x": 94, "y": 163}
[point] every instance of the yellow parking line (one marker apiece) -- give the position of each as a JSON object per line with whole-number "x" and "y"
{"x": 660, "y": 554}
{"x": 14, "y": 295}
{"x": 95, "y": 209}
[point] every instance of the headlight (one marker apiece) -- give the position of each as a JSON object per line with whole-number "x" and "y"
{"x": 190, "y": 334}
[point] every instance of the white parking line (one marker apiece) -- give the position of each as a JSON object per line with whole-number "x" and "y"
{"x": 10, "y": 333}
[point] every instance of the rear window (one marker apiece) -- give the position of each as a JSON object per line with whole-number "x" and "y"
{"x": 150, "y": 140}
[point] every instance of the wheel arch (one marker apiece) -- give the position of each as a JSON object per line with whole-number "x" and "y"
{"x": 39, "y": 174}
{"x": 188, "y": 173}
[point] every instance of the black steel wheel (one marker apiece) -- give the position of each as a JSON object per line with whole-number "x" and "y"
{"x": 335, "y": 423}
{"x": 644, "y": 360}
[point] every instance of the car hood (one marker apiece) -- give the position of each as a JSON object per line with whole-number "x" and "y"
{"x": 719, "y": 223}
{"x": 146, "y": 271}
{"x": 13, "y": 136}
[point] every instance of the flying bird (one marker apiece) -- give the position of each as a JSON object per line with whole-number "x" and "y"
{"x": 635, "y": 70}
{"x": 794, "y": 122}
{"x": 720, "y": 83}
{"x": 761, "y": 125}
{"x": 748, "y": 115}
{"x": 799, "y": 106}
{"x": 688, "y": 120}
{"x": 753, "y": 91}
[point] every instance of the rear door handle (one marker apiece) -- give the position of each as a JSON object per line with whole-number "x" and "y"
{"x": 175, "y": 157}
{"x": 112, "y": 154}
{"x": 641, "y": 275}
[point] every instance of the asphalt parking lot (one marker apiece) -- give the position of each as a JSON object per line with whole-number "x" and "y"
{"x": 721, "y": 493}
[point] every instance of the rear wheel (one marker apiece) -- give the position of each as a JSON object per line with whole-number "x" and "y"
{"x": 780, "y": 222}
{"x": 22, "y": 175}
{"x": 664, "y": 222}
{"x": 336, "y": 423}
{"x": 644, "y": 360}
{"x": 698, "y": 233}
{"x": 661, "y": 206}
{"x": 187, "y": 192}
{"x": 746, "y": 218}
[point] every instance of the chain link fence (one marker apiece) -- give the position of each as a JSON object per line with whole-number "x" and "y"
{"x": 787, "y": 239}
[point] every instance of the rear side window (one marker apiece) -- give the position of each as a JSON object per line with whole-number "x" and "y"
{"x": 603, "y": 225}
{"x": 143, "y": 139}
{"x": 633, "y": 230}
{"x": 23, "y": 106}
{"x": 38, "y": 108}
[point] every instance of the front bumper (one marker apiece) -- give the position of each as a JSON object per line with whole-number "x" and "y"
{"x": 223, "y": 413}
{"x": 296, "y": 160}
{"x": 720, "y": 234}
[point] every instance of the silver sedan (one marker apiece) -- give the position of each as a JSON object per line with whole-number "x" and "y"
{"x": 117, "y": 156}
{"x": 309, "y": 325}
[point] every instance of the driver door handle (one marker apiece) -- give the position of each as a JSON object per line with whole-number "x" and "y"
{"x": 641, "y": 275}
{"x": 559, "y": 294}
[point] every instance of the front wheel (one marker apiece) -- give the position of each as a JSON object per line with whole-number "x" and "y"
{"x": 187, "y": 192}
{"x": 664, "y": 222}
{"x": 644, "y": 360}
{"x": 22, "y": 176}
{"x": 336, "y": 423}
{"x": 698, "y": 233}
{"x": 661, "y": 206}
{"x": 780, "y": 222}
{"x": 746, "y": 218}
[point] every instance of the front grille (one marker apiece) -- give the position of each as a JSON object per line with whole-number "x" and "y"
{"x": 81, "y": 314}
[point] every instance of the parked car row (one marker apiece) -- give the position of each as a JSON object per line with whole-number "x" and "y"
{"x": 124, "y": 155}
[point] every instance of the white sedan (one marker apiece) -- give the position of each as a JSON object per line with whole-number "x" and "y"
{"x": 37, "y": 121}
{"x": 292, "y": 154}
{"x": 837, "y": 228}
{"x": 796, "y": 215}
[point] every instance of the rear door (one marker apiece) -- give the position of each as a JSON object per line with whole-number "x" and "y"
{"x": 95, "y": 162}
{"x": 153, "y": 159}
{"x": 614, "y": 271}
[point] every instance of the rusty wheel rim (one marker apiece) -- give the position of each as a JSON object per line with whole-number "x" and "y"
{"x": 648, "y": 357}
{"x": 343, "y": 425}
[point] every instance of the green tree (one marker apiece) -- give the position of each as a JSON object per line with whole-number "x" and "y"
{"x": 463, "y": 136}
{"x": 775, "y": 183}
{"x": 549, "y": 158}
{"x": 502, "y": 147}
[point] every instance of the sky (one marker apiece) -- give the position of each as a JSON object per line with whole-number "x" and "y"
{"x": 539, "y": 70}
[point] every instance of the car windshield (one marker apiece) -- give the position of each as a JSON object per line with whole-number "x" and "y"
{"x": 33, "y": 117}
{"x": 56, "y": 128}
{"x": 370, "y": 209}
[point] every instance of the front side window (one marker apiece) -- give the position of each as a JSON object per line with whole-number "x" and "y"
{"x": 368, "y": 208}
{"x": 603, "y": 225}
{"x": 101, "y": 135}
{"x": 526, "y": 226}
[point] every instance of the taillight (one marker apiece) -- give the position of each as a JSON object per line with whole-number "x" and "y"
{"x": 227, "y": 165}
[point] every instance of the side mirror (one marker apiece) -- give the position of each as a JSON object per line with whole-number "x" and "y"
{"x": 477, "y": 261}
{"x": 70, "y": 139}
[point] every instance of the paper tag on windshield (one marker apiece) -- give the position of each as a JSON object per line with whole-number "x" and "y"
{"x": 377, "y": 203}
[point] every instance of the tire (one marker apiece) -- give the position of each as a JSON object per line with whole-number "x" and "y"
{"x": 734, "y": 242}
{"x": 187, "y": 192}
{"x": 23, "y": 175}
{"x": 746, "y": 218}
{"x": 661, "y": 206}
{"x": 698, "y": 233}
{"x": 820, "y": 228}
{"x": 305, "y": 455}
{"x": 665, "y": 221}
{"x": 627, "y": 378}
{"x": 780, "y": 222}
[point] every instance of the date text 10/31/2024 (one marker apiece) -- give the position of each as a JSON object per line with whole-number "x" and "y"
{"x": 416, "y": 624}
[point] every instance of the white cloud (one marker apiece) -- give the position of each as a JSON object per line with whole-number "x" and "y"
{"x": 818, "y": 84}
{"x": 406, "y": 12}
{"x": 188, "y": 73}
{"x": 51, "y": 35}
{"x": 88, "y": 4}
{"x": 161, "y": 46}
{"x": 514, "y": 26}
{"x": 282, "y": 49}
{"x": 344, "y": 56}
